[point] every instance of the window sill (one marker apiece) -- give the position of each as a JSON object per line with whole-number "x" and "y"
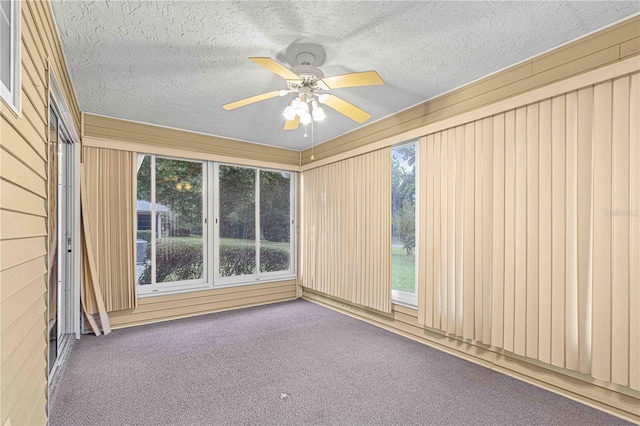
{"x": 408, "y": 300}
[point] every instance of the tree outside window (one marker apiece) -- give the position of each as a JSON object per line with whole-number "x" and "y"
{"x": 403, "y": 218}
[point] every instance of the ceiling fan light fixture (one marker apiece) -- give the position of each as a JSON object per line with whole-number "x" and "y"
{"x": 322, "y": 98}
{"x": 318, "y": 113}
{"x": 305, "y": 118}
{"x": 302, "y": 108}
{"x": 290, "y": 111}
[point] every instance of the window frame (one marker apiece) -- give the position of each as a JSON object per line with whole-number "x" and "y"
{"x": 211, "y": 239}
{"x": 220, "y": 281}
{"x": 399, "y": 297}
{"x": 291, "y": 272}
{"x": 171, "y": 287}
{"x": 11, "y": 95}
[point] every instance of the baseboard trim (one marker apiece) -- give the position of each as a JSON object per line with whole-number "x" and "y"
{"x": 195, "y": 314}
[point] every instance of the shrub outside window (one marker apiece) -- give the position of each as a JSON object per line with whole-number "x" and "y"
{"x": 170, "y": 240}
{"x": 237, "y": 218}
{"x": 255, "y": 224}
{"x": 275, "y": 221}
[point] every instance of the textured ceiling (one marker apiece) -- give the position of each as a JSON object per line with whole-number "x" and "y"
{"x": 175, "y": 63}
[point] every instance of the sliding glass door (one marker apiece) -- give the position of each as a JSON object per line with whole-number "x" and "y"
{"x": 60, "y": 229}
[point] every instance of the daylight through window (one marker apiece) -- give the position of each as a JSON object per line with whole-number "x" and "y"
{"x": 403, "y": 223}
{"x": 249, "y": 239}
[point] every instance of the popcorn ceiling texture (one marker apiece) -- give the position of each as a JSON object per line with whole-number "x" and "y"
{"x": 176, "y": 63}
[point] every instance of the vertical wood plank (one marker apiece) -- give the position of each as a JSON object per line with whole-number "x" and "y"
{"x": 459, "y": 232}
{"x": 497, "y": 289}
{"x": 634, "y": 233}
{"x": 328, "y": 284}
{"x": 350, "y": 290}
{"x": 621, "y": 217}
{"x": 437, "y": 230}
{"x": 532, "y": 230}
{"x": 307, "y": 227}
{"x": 425, "y": 292}
{"x": 444, "y": 232}
{"x": 477, "y": 221}
{"x": 365, "y": 237}
{"x": 322, "y": 233}
{"x": 451, "y": 232}
{"x": 571, "y": 234}
{"x": 520, "y": 309}
{"x": 421, "y": 228}
{"x": 350, "y": 219}
{"x": 509, "y": 228}
{"x": 558, "y": 199}
{"x": 544, "y": 229}
{"x": 601, "y": 349}
{"x": 468, "y": 296}
{"x": 487, "y": 227}
{"x": 584, "y": 230}
{"x": 323, "y": 280}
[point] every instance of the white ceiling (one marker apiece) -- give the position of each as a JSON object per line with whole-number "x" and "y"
{"x": 175, "y": 63}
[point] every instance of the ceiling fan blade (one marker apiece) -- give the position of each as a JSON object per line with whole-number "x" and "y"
{"x": 355, "y": 79}
{"x": 276, "y": 67}
{"x": 344, "y": 107}
{"x": 292, "y": 124}
{"x": 247, "y": 101}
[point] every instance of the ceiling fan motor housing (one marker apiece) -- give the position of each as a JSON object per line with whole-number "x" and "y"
{"x": 309, "y": 74}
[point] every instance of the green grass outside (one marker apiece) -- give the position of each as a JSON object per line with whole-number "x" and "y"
{"x": 403, "y": 270}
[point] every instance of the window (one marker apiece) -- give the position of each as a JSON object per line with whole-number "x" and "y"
{"x": 253, "y": 214}
{"x": 10, "y": 52}
{"x": 237, "y": 221}
{"x": 170, "y": 238}
{"x": 275, "y": 221}
{"x": 255, "y": 223}
{"x": 403, "y": 224}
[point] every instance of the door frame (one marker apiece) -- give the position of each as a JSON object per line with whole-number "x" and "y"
{"x": 71, "y": 312}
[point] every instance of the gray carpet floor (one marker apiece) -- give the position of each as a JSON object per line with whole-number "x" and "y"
{"x": 290, "y": 363}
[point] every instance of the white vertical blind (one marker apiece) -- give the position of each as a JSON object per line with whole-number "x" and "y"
{"x": 532, "y": 231}
{"x": 110, "y": 212}
{"x": 346, "y": 229}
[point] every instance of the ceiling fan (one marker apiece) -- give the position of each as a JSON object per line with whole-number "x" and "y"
{"x": 312, "y": 90}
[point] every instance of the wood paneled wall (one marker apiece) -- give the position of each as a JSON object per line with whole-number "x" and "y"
{"x": 23, "y": 220}
{"x": 163, "y": 308}
{"x": 346, "y": 229}
{"x": 530, "y": 222}
{"x": 114, "y": 133}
